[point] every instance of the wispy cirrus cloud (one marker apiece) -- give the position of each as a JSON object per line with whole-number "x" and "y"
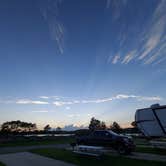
{"x": 61, "y": 103}
{"x": 115, "y": 59}
{"x": 155, "y": 98}
{"x": 108, "y": 3}
{"x": 155, "y": 38}
{"x": 28, "y": 101}
{"x": 44, "y": 97}
{"x": 50, "y": 12}
{"x": 116, "y": 6}
{"x": 68, "y": 103}
{"x": 148, "y": 46}
{"x": 158, "y": 54}
{"x": 129, "y": 57}
{"x": 41, "y": 111}
{"x": 50, "y": 97}
{"x": 117, "y": 97}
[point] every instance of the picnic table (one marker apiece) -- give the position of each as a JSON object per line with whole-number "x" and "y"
{"x": 89, "y": 150}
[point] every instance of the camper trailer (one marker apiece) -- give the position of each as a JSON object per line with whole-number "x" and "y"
{"x": 152, "y": 121}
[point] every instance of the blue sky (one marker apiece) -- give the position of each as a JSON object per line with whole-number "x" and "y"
{"x": 63, "y": 62}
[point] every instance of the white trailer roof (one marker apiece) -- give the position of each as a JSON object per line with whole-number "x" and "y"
{"x": 152, "y": 121}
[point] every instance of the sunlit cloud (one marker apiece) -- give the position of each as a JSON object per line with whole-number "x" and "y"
{"x": 44, "y": 97}
{"x": 50, "y": 97}
{"x": 115, "y": 59}
{"x": 62, "y": 103}
{"x": 149, "y": 98}
{"x": 158, "y": 53}
{"x": 117, "y": 97}
{"x": 155, "y": 34}
{"x": 27, "y": 101}
{"x": 129, "y": 57}
{"x": 149, "y": 45}
{"x": 42, "y": 111}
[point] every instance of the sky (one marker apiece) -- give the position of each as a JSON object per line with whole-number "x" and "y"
{"x": 65, "y": 61}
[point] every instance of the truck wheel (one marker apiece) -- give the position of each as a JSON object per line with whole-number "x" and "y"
{"x": 81, "y": 143}
{"x": 121, "y": 150}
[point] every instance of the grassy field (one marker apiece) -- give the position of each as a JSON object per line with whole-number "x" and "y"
{"x": 57, "y": 140}
{"x": 70, "y": 157}
{"x": 151, "y": 150}
{"x": 66, "y": 140}
{"x": 2, "y": 164}
{"x": 141, "y": 141}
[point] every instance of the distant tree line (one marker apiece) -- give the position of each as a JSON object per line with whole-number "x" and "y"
{"x": 18, "y": 126}
{"x": 96, "y": 124}
{"x": 48, "y": 128}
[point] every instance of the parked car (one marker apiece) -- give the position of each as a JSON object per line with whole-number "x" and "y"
{"x": 108, "y": 138}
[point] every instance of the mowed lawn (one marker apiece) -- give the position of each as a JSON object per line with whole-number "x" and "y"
{"x": 56, "y": 140}
{"x": 151, "y": 150}
{"x": 2, "y": 164}
{"x": 68, "y": 156}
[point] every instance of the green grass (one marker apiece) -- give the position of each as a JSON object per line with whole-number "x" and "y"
{"x": 151, "y": 150}
{"x": 141, "y": 141}
{"x": 58, "y": 140}
{"x": 1, "y": 164}
{"x": 70, "y": 157}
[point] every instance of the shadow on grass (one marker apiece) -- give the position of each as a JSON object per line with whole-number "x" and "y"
{"x": 57, "y": 140}
{"x": 70, "y": 157}
{"x": 2, "y": 164}
{"x": 151, "y": 150}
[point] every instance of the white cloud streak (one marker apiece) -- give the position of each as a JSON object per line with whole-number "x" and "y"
{"x": 51, "y": 97}
{"x": 67, "y": 104}
{"x": 129, "y": 57}
{"x": 108, "y": 2}
{"x": 44, "y": 97}
{"x": 43, "y": 111}
{"x": 117, "y": 97}
{"x": 149, "y": 47}
{"x": 67, "y": 108}
{"x": 115, "y": 59}
{"x": 27, "y": 101}
{"x": 155, "y": 33}
{"x": 159, "y": 53}
{"x": 50, "y": 13}
{"x": 116, "y": 6}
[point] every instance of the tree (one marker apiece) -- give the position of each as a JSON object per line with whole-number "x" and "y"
{"x": 17, "y": 126}
{"x": 115, "y": 127}
{"x": 58, "y": 129}
{"x": 47, "y": 128}
{"x": 96, "y": 124}
{"x": 134, "y": 124}
{"x": 103, "y": 125}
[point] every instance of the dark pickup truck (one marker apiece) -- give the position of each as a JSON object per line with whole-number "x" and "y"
{"x": 107, "y": 138}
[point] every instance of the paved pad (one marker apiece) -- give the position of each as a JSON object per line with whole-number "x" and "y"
{"x": 30, "y": 159}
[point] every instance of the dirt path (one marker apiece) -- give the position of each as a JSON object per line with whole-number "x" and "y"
{"x": 29, "y": 159}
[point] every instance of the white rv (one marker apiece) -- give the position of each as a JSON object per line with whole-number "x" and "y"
{"x": 152, "y": 121}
